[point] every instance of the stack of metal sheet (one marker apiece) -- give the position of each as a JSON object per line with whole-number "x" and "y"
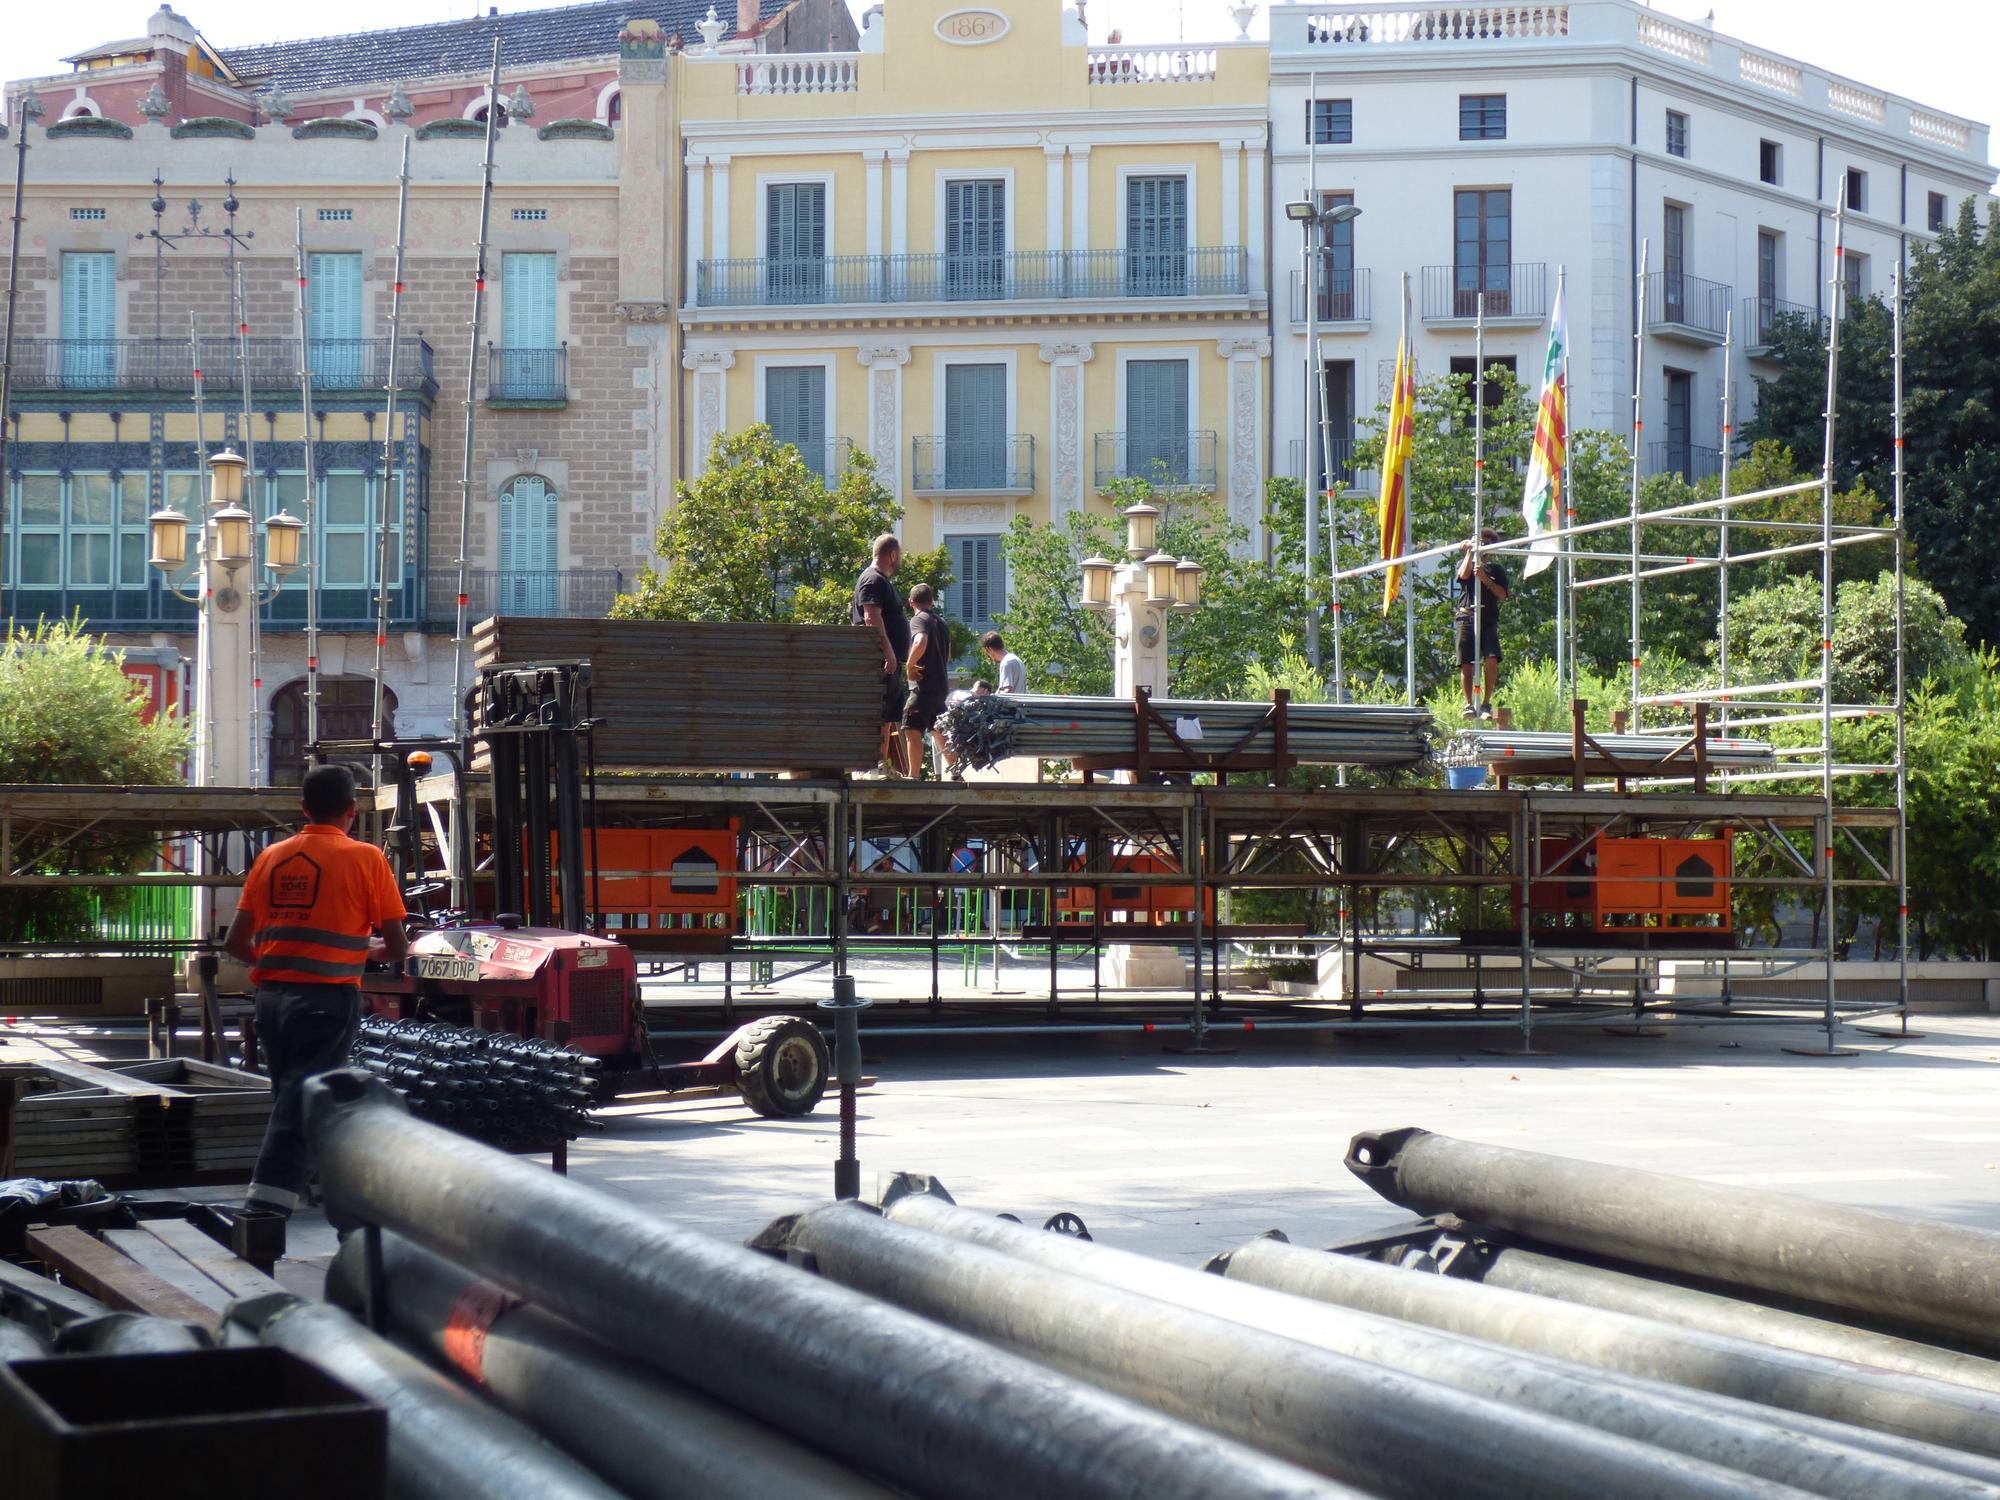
{"x": 1476, "y": 747}
{"x": 984, "y": 729}
{"x": 675, "y": 696}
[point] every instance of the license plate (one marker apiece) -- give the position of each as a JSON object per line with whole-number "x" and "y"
{"x": 443, "y": 966}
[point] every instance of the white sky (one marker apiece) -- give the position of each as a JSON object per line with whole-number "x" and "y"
{"x": 1938, "y": 52}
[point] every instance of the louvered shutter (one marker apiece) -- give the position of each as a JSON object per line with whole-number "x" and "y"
{"x": 795, "y": 241}
{"x": 1156, "y": 235}
{"x": 795, "y": 409}
{"x": 528, "y": 547}
{"x": 89, "y": 317}
{"x": 975, "y": 238}
{"x": 333, "y": 319}
{"x": 1156, "y": 419}
{"x": 975, "y": 426}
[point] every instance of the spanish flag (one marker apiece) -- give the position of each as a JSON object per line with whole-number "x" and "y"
{"x": 1543, "y": 500}
{"x": 1397, "y": 443}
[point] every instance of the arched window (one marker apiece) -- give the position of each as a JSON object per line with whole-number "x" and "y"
{"x": 614, "y": 109}
{"x": 346, "y": 712}
{"x": 530, "y": 547}
{"x": 479, "y": 114}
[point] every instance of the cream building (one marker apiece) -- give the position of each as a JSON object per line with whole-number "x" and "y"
{"x": 1009, "y": 264}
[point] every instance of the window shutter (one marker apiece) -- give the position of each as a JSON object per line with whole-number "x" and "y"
{"x": 975, "y": 426}
{"x": 89, "y": 317}
{"x": 795, "y": 410}
{"x": 333, "y": 318}
{"x": 528, "y": 550}
{"x": 528, "y": 300}
{"x": 1156, "y": 418}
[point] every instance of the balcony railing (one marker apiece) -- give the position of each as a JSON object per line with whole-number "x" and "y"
{"x": 538, "y": 377}
{"x": 1677, "y": 303}
{"x": 1014, "y": 276}
{"x": 106, "y": 365}
{"x": 564, "y": 594}
{"x": 1341, "y": 469}
{"x": 1342, "y": 297}
{"x": 1448, "y": 23}
{"x": 1172, "y": 460}
{"x": 979, "y": 465}
{"x": 1520, "y": 290}
{"x": 1764, "y": 318}
{"x": 151, "y": 607}
{"x": 1691, "y": 461}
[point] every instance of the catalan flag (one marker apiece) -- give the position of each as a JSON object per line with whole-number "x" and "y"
{"x": 1397, "y": 443}
{"x": 1543, "y": 500}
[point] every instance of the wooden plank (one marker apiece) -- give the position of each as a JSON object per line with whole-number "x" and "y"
{"x": 234, "y": 1275}
{"x": 115, "y": 1278}
{"x": 167, "y": 1263}
{"x": 64, "y": 1303}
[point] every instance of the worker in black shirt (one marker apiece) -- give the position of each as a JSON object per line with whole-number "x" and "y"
{"x": 1479, "y": 638}
{"x": 929, "y": 669}
{"x": 878, "y": 606}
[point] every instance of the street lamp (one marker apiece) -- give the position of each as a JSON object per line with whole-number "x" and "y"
{"x": 1141, "y": 593}
{"x": 1309, "y": 216}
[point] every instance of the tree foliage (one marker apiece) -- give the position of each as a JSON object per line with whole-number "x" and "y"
{"x": 758, "y": 537}
{"x": 1951, "y": 386}
{"x": 69, "y": 716}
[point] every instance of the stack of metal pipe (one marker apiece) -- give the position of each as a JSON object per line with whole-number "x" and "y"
{"x": 983, "y": 729}
{"x": 925, "y": 1349}
{"x": 1474, "y": 747}
{"x": 519, "y": 1093}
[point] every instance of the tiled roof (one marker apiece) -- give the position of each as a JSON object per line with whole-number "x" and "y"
{"x": 367, "y": 59}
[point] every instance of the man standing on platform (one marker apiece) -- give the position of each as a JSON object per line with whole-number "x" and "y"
{"x": 303, "y": 925}
{"x": 1479, "y": 640}
{"x": 930, "y": 680}
{"x": 878, "y": 606}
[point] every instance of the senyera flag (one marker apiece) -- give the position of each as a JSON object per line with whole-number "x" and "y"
{"x": 1543, "y": 499}
{"x": 1397, "y": 442}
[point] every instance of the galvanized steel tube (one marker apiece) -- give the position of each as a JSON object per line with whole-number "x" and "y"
{"x": 1362, "y": 1422}
{"x": 1686, "y": 1307}
{"x": 444, "y": 1442}
{"x": 19, "y": 1341}
{"x": 129, "y": 1333}
{"x": 935, "y": 1411}
{"x": 1935, "y": 1275}
{"x": 647, "y": 1434}
{"x": 1837, "y": 1461}
{"x": 1928, "y": 1411}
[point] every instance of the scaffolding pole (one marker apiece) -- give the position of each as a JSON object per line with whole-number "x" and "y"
{"x": 1902, "y": 700}
{"x": 459, "y": 641}
{"x": 204, "y": 639}
{"x": 1638, "y": 430}
{"x": 379, "y": 718}
{"x": 311, "y": 502}
{"x": 1314, "y": 391}
{"x": 254, "y": 625}
{"x": 13, "y": 291}
{"x": 1565, "y": 564}
{"x": 1478, "y": 589}
{"x": 1722, "y": 546}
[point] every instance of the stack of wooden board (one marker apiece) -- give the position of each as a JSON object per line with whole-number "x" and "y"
{"x": 133, "y": 1125}
{"x": 676, "y": 696}
{"x": 166, "y": 1268}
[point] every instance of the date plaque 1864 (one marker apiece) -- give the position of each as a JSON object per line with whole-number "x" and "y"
{"x": 972, "y": 28}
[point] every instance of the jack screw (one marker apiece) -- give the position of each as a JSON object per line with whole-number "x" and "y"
{"x": 846, "y": 1007}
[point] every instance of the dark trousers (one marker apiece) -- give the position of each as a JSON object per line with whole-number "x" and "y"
{"x": 304, "y": 1029}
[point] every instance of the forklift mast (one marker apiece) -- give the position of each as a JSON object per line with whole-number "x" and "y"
{"x": 535, "y": 720}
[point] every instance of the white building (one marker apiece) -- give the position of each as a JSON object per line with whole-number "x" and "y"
{"x": 1490, "y": 146}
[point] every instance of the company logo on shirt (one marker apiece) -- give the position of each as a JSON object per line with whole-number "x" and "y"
{"x": 295, "y": 882}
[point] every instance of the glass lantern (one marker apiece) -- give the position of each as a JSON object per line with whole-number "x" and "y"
{"x": 169, "y": 528}
{"x": 226, "y": 471}
{"x": 232, "y": 537}
{"x": 1160, "y": 579}
{"x": 1097, "y": 583}
{"x": 1187, "y": 584}
{"x": 281, "y": 543}
{"x": 1141, "y": 526}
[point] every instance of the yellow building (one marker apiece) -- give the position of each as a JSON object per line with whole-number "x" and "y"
{"x": 1012, "y": 265}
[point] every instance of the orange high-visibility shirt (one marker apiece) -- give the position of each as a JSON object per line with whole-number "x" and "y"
{"x": 312, "y": 901}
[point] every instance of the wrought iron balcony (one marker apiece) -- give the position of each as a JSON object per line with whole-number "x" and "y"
{"x": 1342, "y": 297}
{"x": 989, "y": 466}
{"x": 1451, "y": 293}
{"x": 1019, "y": 276}
{"x": 1171, "y": 460}
{"x": 1340, "y": 469}
{"x": 121, "y": 365}
{"x": 1692, "y": 462}
{"x": 1764, "y": 318}
{"x": 1683, "y": 306}
{"x": 561, "y": 594}
{"x": 527, "y": 377}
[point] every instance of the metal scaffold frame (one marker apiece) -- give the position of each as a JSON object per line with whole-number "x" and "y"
{"x": 1744, "y": 706}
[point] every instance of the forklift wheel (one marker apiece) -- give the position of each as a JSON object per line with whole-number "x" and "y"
{"x": 781, "y": 1066}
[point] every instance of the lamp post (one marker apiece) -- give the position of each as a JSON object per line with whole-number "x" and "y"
{"x": 1140, "y": 593}
{"x": 1308, "y": 215}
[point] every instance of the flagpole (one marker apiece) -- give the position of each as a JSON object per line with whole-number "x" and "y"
{"x": 1403, "y": 541}
{"x": 1309, "y": 439}
{"x": 1478, "y": 490}
{"x": 1638, "y": 429}
{"x": 1562, "y": 603}
{"x": 1722, "y": 571}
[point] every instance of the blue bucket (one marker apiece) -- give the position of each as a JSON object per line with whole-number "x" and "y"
{"x": 1465, "y": 778}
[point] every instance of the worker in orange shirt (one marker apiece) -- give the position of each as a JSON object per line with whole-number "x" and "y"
{"x": 303, "y": 925}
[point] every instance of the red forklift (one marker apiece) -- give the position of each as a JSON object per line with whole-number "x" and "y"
{"x": 523, "y": 971}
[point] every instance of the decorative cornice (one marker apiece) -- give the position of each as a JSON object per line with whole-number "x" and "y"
{"x": 1078, "y": 353}
{"x": 1253, "y": 348}
{"x": 717, "y": 360}
{"x": 642, "y": 312}
{"x": 870, "y": 355}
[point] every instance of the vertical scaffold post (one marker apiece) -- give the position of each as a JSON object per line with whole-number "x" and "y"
{"x": 1638, "y": 432}
{"x": 1722, "y": 517}
{"x": 387, "y": 485}
{"x": 1896, "y": 291}
{"x": 253, "y": 622}
{"x": 310, "y": 504}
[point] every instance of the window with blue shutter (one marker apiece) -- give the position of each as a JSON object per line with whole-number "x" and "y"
{"x": 979, "y": 582}
{"x": 975, "y": 238}
{"x": 795, "y": 411}
{"x": 1156, "y": 236}
{"x": 528, "y": 367}
{"x": 529, "y": 547}
{"x": 89, "y": 318}
{"x": 975, "y": 427}
{"x": 333, "y": 320}
{"x": 1156, "y": 420}
{"x": 795, "y": 242}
